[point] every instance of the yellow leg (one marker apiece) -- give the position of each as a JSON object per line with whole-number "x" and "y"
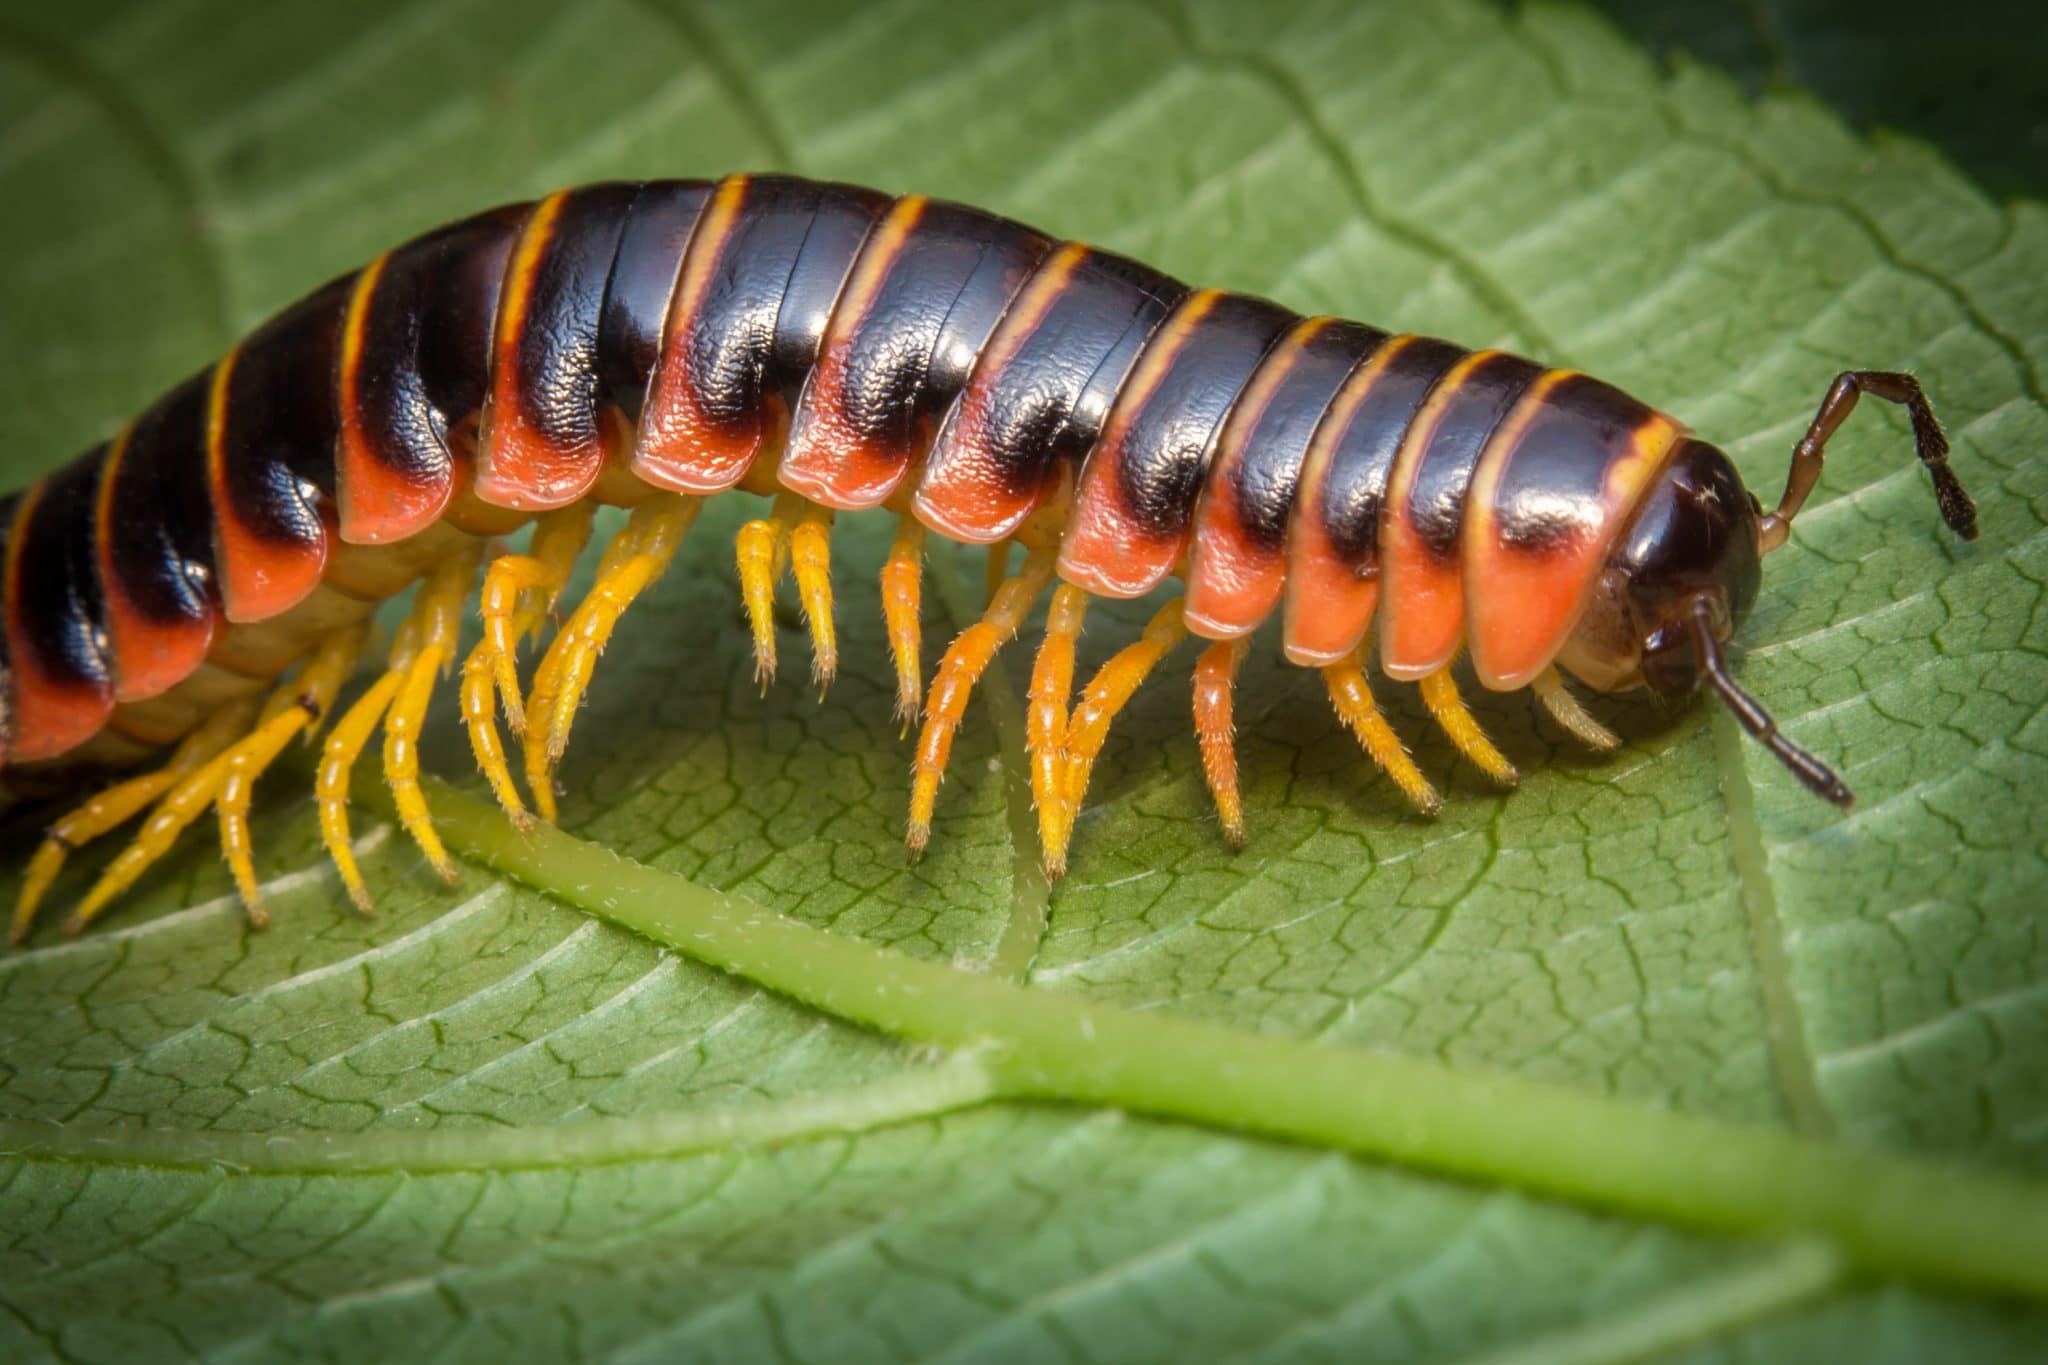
{"x": 966, "y": 658}
{"x": 1564, "y": 708}
{"x": 330, "y": 788}
{"x": 1440, "y": 694}
{"x": 424, "y": 645}
{"x": 477, "y": 695}
{"x": 509, "y": 586}
{"x": 519, "y": 593}
{"x": 1045, "y": 727}
{"x": 762, "y": 547}
{"x": 630, "y": 541}
{"x": 295, "y": 707}
{"x": 439, "y": 613}
{"x": 810, "y": 556}
{"x": 902, "y": 573}
{"x": 651, "y": 536}
{"x": 1088, "y": 726}
{"x": 1352, "y": 697}
{"x": 1215, "y": 677}
{"x": 117, "y": 804}
{"x": 520, "y": 590}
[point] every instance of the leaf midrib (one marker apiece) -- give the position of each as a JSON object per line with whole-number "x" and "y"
{"x": 1887, "y": 1213}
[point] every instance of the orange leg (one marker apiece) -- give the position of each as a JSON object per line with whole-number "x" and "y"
{"x": 810, "y": 558}
{"x": 901, "y": 590}
{"x": 1440, "y": 694}
{"x": 520, "y": 590}
{"x": 1352, "y": 697}
{"x": 1215, "y": 677}
{"x": 965, "y": 660}
{"x": 995, "y": 570}
{"x": 761, "y": 551}
{"x": 330, "y": 788}
{"x": 1045, "y": 729}
{"x": 1088, "y": 726}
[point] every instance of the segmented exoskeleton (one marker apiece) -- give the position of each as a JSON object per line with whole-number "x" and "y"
{"x": 834, "y": 348}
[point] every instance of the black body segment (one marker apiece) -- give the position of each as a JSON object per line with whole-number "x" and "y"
{"x": 416, "y": 364}
{"x": 59, "y": 612}
{"x": 1041, "y": 388}
{"x": 1050, "y": 400}
{"x": 556, "y": 351}
{"x": 1355, "y": 481}
{"x": 841, "y": 220}
{"x": 60, "y": 682}
{"x": 894, "y": 369}
{"x": 457, "y": 275}
{"x": 992, "y": 258}
{"x": 918, "y": 305}
{"x": 1552, "y": 484}
{"x": 1165, "y": 448}
{"x": 1264, "y": 481}
{"x": 1443, "y": 471}
{"x": 159, "y": 529}
{"x": 656, "y": 232}
{"x": 732, "y": 332}
{"x": 277, "y": 419}
{"x": 423, "y": 358}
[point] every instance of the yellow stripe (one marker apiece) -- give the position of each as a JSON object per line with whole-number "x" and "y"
{"x": 533, "y": 240}
{"x": 217, "y": 428}
{"x": 880, "y": 251}
{"x": 707, "y": 243}
{"x": 103, "y": 514}
{"x": 1477, "y": 535}
{"x": 1649, "y": 445}
{"x": 103, "y": 501}
{"x": 1415, "y": 441}
{"x": 1336, "y": 421}
{"x": 1160, "y": 353}
{"x": 1030, "y": 307}
{"x": 352, "y": 328}
{"x": 1251, "y": 404}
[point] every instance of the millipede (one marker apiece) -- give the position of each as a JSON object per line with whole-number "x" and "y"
{"x": 196, "y": 592}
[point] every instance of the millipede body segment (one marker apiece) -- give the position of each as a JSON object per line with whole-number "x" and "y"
{"x": 201, "y": 583}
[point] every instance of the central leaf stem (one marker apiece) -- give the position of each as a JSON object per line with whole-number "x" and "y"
{"x": 1883, "y": 1213}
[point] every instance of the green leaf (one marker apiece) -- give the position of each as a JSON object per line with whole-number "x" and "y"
{"x": 485, "y": 1120}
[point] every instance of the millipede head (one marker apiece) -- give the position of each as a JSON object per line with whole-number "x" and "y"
{"x": 1686, "y": 571}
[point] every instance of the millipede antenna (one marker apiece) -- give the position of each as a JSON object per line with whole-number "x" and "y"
{"x": 1817, "y": 776}
{"x": 1928, "y": 439}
